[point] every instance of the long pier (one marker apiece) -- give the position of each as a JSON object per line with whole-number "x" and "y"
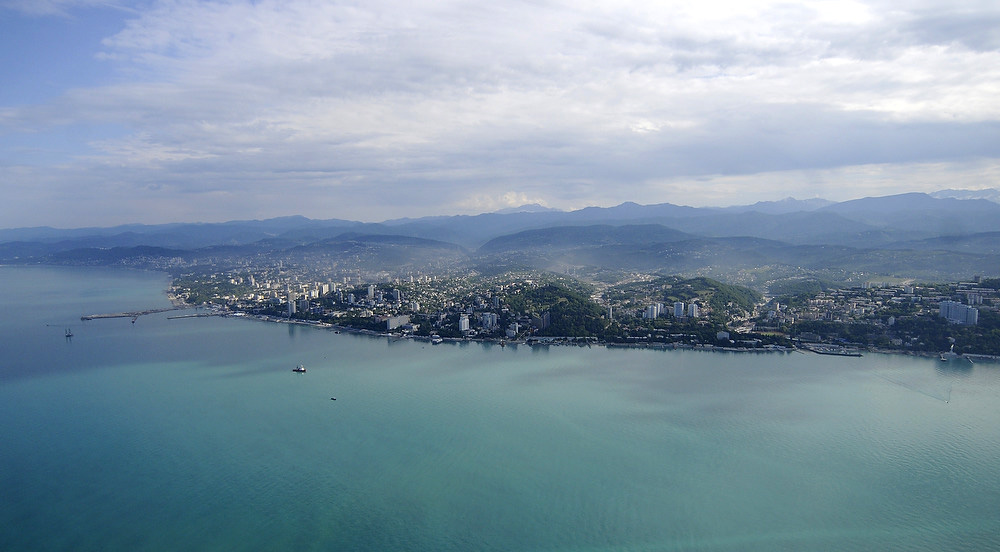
{"x": 197, "y": 315}
{"x": 134, "y": 314}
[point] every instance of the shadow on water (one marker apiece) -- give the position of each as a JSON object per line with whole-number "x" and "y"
{"x": 957, "y": 367}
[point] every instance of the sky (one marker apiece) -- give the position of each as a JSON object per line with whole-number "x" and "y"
{"x": 155, "y": 111}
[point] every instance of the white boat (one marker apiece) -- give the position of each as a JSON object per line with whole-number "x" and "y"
{"x": 436, "y": 339}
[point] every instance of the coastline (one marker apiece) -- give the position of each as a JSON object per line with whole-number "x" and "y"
{"x": 531, "y": 342}
{"x": 824, "y": 349}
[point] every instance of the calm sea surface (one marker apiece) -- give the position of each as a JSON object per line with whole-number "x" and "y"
{"x": 194, "y": 434}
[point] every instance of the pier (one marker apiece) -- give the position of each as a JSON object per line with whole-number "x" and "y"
{"x": 198, "y": 315}
{"x": 132, "y": 315}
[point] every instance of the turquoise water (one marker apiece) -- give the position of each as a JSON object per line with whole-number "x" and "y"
{"x": 195, "y": 434}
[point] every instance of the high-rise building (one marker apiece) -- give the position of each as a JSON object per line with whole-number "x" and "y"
{"x": 541, "y": 321}
{"x": 489, "y": 320}
{"x": 693, "y": 310}
{"x": 679, "y": 309}
{"x": 394, "y": 322}
{"x": 463, "y": 323}
{"x": 958, "y": 313}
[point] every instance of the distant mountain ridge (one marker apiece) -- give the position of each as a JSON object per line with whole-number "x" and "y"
{"x": 787, "y": 205}
{"x": 872, "y": 219}
{"x": 914, "y": 234}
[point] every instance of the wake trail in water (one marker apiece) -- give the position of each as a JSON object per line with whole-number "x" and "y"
{"x": 943, "y": 395}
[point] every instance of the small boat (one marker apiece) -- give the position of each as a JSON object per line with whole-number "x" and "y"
{"x": 436, "y": 339}
{"x": 300, "y": 369}
{"x": 69, "y": 332}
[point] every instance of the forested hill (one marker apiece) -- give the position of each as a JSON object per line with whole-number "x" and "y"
{"x": 572, "y": 313}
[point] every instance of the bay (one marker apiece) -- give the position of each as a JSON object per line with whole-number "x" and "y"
{"x": 194, "y": 434}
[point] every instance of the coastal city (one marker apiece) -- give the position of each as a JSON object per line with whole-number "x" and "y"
{"x": 645, "y": 310}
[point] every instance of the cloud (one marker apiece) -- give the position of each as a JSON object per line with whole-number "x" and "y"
{"x": 61, "y": 8}
{"x": 567, "y": 104}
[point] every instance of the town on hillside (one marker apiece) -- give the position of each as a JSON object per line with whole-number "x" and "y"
{"x": 645, "y": 310}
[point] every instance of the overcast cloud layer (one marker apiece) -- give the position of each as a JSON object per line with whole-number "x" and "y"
{"x": 208, "y": 111}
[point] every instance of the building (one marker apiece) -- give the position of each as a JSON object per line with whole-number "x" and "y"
{"x": 693, "y": 310}
{"x": 958, "y": 313}
{"x": 679, "y": 309}
{"x": 541, "y": 321}
{"x": 652, "y": 311}
{"x": 463, "y": 323}
{"x": 489, "y": 320}
{"x": 394, "y": 322}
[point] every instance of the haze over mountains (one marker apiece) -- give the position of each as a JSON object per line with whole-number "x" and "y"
{"x": 945, "y": 235}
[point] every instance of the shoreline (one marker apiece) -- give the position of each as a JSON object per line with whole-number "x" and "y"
{"x": 854, "y": 352}
{"x": 564, "y": 342}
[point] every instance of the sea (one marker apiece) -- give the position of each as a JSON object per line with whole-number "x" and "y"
{"x": 195, "y": 434}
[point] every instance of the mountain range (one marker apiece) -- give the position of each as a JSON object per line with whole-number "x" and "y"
{"x": 951, "y": 234}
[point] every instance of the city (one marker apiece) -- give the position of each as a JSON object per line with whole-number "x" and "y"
{"x": 639, "y": 310}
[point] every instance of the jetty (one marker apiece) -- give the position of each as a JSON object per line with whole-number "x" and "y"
{"x": 133, "y": 315}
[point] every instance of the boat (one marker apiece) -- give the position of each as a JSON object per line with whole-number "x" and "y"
{"x": 69, "y": 332}
{"x": 436, "y": 339}
{"x": 300, "y": 369}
